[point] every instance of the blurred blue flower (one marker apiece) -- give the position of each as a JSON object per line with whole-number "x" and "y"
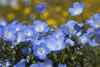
{"x": 77, "y": 8}
{"x": 3, "y": 22}
{"x": 61, "y": 65}
{"x": 94, "y": 21}
{"x": 41, "y": 8}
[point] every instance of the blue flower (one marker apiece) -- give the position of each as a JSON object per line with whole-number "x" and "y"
{"x": 77, "y": 9}
{"x": 94, "y": 21}
{"x": 84, "y": 39}
{"x": 41, "y": 8}
{"x": 51, "y": 43}
{"x": 59, "y": 33}
{"x": 41, "y": 51}
{"x": 40, "y": 26}
{"x": 3, "y": 22}
{"x": 38, "y": 42}
{"x": 9, "y": 33}
{"x": 20, "y": 63}
{"x": 28, "y": 32}
{"x": 20, "y": 37}
{"x": 71, "y": 27}
{"x": 93, "y": 43}
{"x": 60, "y": 43}
{"x": 61, "y": 65}
{"x": 18, "y": 27}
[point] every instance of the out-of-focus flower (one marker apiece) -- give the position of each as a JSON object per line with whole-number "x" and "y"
{"x": 58, "y": 9}
{"x": 13, "y": 3}
{"x": 27, "y": 11}
{"x": 61, "y": 65}
{"x": 94, "y": 21}
{"x": 77, "y": 10}
{"x": 11, "y": 16}
{"x": 16, "y": 7}
{"x": 52, "y": 22}
{"x": 41, "y": 8}
{"x": 3, "y": 22}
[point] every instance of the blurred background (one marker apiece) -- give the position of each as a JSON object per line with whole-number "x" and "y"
{"x": 56, "y": 13}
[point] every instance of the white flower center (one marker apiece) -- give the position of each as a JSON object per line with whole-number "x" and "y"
{"x": 84, "y": 40}
{"x": 78, "y": 11}
{"x": 27, "y": 33}
{"x": 59, "y": 43}
{"x": 41, "y": 51}
{"x": 7, "y": 34}
{"x": 39, "y": 28}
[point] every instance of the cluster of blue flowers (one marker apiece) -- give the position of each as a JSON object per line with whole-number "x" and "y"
{"x": 45, "y": 40}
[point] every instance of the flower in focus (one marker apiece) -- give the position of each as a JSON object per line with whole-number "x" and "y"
{"x": 40, "y": 26}
{"x": 41, "y": 51}
{"x": 77, "y": 9}
{"x": 8, "y": 33}
{"x": 84, "y": 39}
{"x": 41, "y": 8}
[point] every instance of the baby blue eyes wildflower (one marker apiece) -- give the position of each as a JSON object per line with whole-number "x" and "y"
{"x": 77, "y": 9}
{"x": 41, "y": 8}
{"x": 84, "y": 39}
{"x": 61, "y": 65}
{"x": 40, "y": 26}
{"x": 20, "y": 37}
{"x": 8, "y": 33}
{"x": 71, "y": 27}
{"x": 41, "y": 51}
{"x": 94, "y": 21}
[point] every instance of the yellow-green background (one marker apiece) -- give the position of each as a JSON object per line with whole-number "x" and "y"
{"x": 56, "y": 13}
